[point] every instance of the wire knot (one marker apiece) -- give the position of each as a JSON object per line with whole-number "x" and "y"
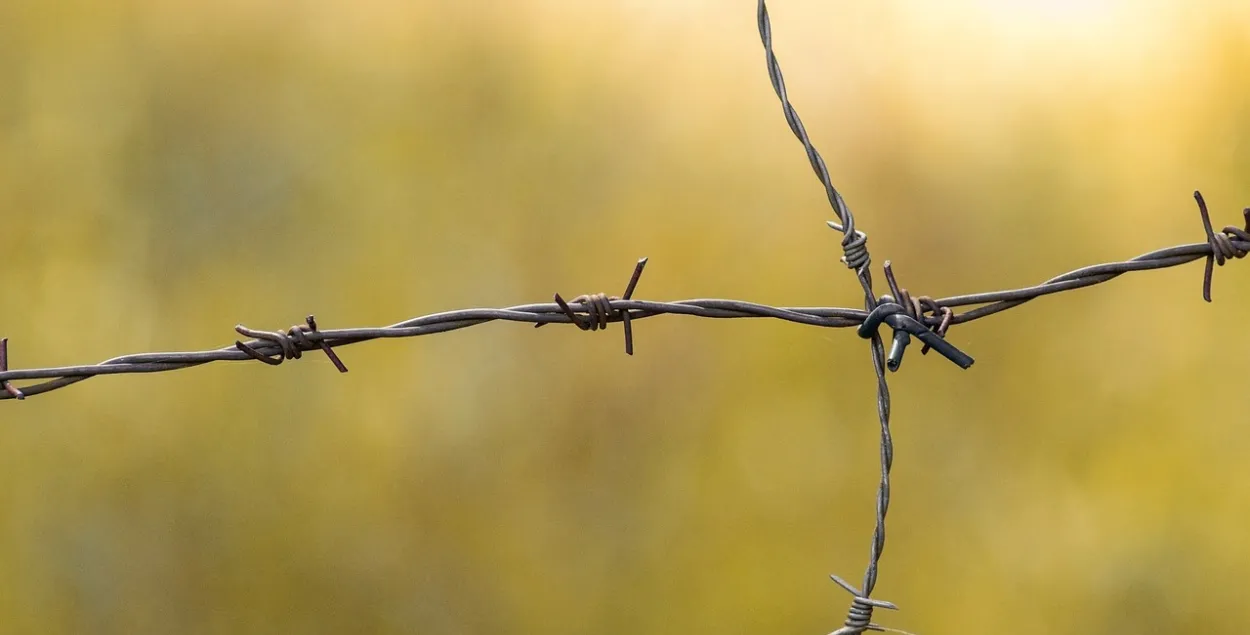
{"x": 906, "y": 316}
{"x": 599, "y": 311}
{"x": 854, "y": 247}
{"x": 1222, "y": 245}
{"x": 293, "y": 342}
{"x": 941, "y": 316}
{"x": 859, "y": 617}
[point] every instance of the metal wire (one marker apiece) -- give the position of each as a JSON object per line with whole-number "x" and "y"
{"x": 856, "y": 256}
{"x": 934, "y": 314}
{"x": 854, "y": 243}
{"x": 904, "y": 315}
{"x": 907, "y": 316}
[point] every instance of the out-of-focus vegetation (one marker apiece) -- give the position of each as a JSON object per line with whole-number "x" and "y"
{"x": 169, "y": 169}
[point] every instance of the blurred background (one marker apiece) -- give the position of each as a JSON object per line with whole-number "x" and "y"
{"x": 169, "y": 169}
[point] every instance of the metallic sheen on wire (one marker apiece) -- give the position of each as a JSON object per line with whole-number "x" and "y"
{"x": 551, "y": 313}
{"x": 921, "y": 316}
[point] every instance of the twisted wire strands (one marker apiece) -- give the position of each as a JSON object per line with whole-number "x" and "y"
{"x": 856, "y": 256}
{"x": 907, "y": 316}
{"x": 854, "y": 243}
{"x": 1235, "y": 239}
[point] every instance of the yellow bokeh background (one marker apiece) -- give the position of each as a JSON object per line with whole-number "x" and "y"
{"x": 169, "y": 169}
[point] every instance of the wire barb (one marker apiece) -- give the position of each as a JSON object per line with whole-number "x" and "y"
{"x": 1222, "y": 245}
{"x": 917, "y": 307}
{"x": 291, "y": 344}
{"x": 859, "y": 616}
{"x": 854, "y": 243}
{"x": 599, "y": 310}
{"x": 854, "y": 254}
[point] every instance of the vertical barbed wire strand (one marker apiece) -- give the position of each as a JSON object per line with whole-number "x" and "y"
{"x": 856, "y": 256}
{"x": 854, "y": 243}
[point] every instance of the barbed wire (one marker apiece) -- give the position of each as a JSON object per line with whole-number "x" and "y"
{"x": 907, "y": 315}
{"x": 903, "y": 317}
{"x": 932, "y": 318}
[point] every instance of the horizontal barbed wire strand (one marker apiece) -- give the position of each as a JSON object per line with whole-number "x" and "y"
{"x": 551, "y": 313}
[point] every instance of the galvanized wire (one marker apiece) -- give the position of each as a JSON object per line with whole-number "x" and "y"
{"x": 552, "y": 313}
{"x": 905, "y": 314}
{"x": 920, "y": 316}
{"x": 856, "y": 256}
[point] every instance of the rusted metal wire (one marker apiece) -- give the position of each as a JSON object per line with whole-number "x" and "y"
{"x": 907, "y": 316}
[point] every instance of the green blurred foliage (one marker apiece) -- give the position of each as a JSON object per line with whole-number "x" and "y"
{"x": 169, "y": 169}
